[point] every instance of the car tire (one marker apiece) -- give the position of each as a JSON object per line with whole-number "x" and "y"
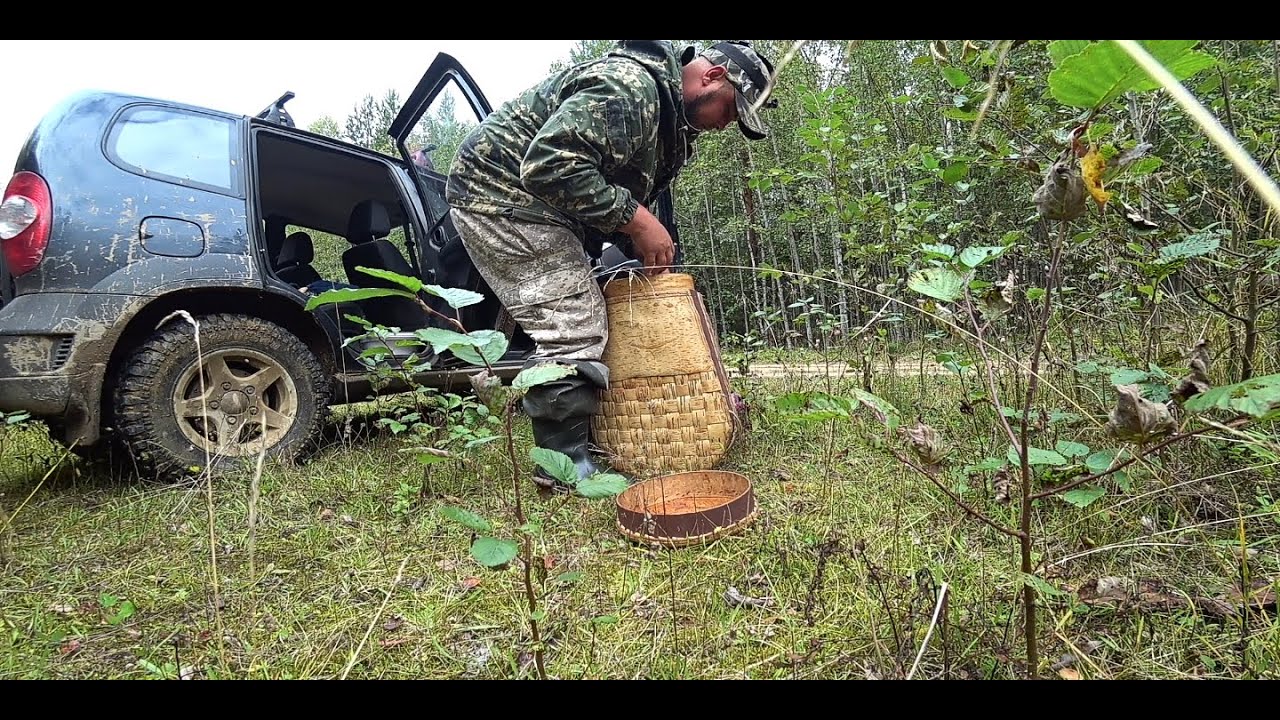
{"x": 258, "y": 380}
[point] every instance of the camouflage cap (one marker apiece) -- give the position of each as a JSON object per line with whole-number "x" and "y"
{"x": 752, "y": 76}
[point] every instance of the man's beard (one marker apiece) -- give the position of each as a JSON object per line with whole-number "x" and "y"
{"x": 692, "y": 107}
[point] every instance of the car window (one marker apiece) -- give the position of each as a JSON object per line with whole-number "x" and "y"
{"x": 442, "y": 129}
{"x": 183, "y": 147}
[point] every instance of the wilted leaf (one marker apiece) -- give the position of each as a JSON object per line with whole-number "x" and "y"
{"x": 1092, "y": 166}
{"x": 1069, "y": 674}
{"x": 997, "y": 300}
{"x": 1002, "y": 486}
{"x": 924, "y": 442}
{"x": 1137, "y": 219}
{"x": 1061, "y": 195}
{"x": 487, "y": 387}
{"x": 1197, "y": 380}
{"x": 939, "y": 283}
{"x": 1136, "y": 419}
{"x": 737, "y": 599}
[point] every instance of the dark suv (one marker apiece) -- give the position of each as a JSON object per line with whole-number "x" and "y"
{"x": 125, "y": 212}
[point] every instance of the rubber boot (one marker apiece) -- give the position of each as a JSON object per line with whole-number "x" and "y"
{"x": 560, "y": 412}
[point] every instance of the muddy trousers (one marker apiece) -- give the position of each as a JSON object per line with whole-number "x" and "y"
{"x": 542, "y": 276}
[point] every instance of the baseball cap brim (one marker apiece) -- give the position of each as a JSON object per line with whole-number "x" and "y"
{"x": 749, "y": 121}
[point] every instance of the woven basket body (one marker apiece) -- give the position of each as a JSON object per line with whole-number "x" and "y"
{"x": 667, "y": 407}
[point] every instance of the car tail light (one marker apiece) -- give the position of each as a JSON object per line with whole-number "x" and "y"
{"x": 25, "y": 216}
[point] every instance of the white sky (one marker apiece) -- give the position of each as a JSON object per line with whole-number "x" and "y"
{"x": 329, "y": 77}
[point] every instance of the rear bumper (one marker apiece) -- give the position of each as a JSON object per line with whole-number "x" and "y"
{"x": 54, "y": 351}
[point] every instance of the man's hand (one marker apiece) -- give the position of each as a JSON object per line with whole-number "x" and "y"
{"x": 651, "y": 241}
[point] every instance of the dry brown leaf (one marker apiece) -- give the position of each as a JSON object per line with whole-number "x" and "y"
{"x": 1061, "y": 196}
{"x": 1197, "y": 380}
{"x": 1069, "y": 674}
{"x": 1002, "y": 485}
{"x": 924, "y": 442}
{"x": 998, "y": 299}
{"x": 1136, "y": 419}
{"x": 737, "y": 599}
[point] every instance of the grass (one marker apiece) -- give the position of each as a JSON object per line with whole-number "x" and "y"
{"x": 109, "y": 577}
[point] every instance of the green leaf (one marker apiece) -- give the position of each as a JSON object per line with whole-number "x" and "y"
{"x": 955, "y": 172}
{"x": 1034, "y": 294}
{"x": 884, "y": 410}
{"x": 605, "y": 619}
{"x": 956, "y": 77}
{"x": 412, "y": 284}
{"x": 491, "y": 343}
{"x": 456, "y": 297}
{"x": 492, "y": 552}
{"x": 442, "y": 340}
{"x": 108, "y": 600}
{"x": 940, "y": 249}
{"x": 1083, "y": 496}
{"x": 540, "y": 374}
{"x": 124, "y": 612}
{"x": 938, "y": 283}
{"x": 1071, "y": 449}
{"x": 556, "y": 464}
{"x": 601, "y": 485}
{"x": 1041, "y": 586}
{"x": 467, "y": 518}
{"x": 1060, "y": 50}
{"x": 572, "y": 576}
{"x": 1194, "y": 246}
{"x": 1035, "y": 456}
{"x": 1103, "y": 71}
{"x": 331, "y": 297}
{"x": 975, "y": 256}
{"x": 1088, "y": 367}
{"x": 1101, "y": 461}
{"x": 1127, "y": 376}
{"x": 538, "y": 615}
{"x": 956, "y": 113}
{"x": 1254, "y": 396}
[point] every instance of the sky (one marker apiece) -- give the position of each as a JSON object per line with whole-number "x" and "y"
{"x": 329, "y": 77}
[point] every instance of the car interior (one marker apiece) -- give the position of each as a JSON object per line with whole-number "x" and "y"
{"x": 327, "y": 211}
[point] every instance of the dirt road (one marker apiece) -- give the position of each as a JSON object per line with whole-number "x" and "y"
{"x": 834, "y": 369}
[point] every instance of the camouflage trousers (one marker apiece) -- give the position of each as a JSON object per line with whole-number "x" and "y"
{"x": 541, "y": 274}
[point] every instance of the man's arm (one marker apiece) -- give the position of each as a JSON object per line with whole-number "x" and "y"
{"x": 599, "y": 127}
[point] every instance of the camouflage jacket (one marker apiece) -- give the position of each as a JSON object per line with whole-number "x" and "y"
{"x": 583, "y": 147}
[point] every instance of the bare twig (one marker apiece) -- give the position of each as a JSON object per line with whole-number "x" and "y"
{"x": 374, "y": 620}
{"x": 942, "y": 596}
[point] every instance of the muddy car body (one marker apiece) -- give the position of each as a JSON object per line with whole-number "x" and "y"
{"x": 127, "y": 215}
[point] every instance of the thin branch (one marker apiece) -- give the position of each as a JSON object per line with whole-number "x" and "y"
{"x": 1215, "y": 305}
{"x": 1238, "y": 422}
{"x": 956, "y": 498}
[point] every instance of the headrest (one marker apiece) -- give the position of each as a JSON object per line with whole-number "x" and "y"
{"x": 369, "y": 221}
{"x": 297, "y": 250}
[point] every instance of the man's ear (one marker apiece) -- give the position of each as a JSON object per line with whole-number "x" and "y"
{"x": 714, "y": 73}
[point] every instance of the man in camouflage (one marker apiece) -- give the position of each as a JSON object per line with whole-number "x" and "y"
{"x": 537, "y": 187}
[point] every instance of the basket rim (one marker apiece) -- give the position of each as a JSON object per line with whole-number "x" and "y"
{"x": 685, "y": 541}
{"x": 667, "y": 476}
